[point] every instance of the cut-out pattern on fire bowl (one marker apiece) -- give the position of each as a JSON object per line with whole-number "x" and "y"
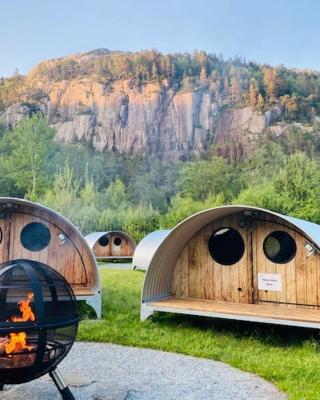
{"x": 38, "y": 320}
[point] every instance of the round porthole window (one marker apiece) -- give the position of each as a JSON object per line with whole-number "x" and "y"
{"x": 279, "y": 247}
{"x": 226, "y": 246}
{"x": 35, "y": 236}
{"x": 104, "y": 241}
{"x": 117, "y": 241}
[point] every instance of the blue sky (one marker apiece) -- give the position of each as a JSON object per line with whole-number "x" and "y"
{"x": 275, "y": 31}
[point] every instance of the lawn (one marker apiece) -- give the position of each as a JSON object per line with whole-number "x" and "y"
{"x": 288, "y": 357}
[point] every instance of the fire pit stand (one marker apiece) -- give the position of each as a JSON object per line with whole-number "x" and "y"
{"x": 38, "y": 323}
{"x": 62, "y": 387}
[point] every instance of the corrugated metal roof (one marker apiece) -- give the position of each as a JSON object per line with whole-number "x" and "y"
{"x": 159, "y": 274}
{"x": 93, "y": 237}
{"x": 146, "y": 248}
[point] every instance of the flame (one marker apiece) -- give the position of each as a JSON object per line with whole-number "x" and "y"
{"x": 16, "y": 342}
{"x": 25, "y": 309}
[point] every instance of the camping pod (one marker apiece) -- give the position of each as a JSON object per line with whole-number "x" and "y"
{"x": 146, "y": 249}
{"x": 239, "y": 263}
{"x": 111, "y": 245}
{"x": 33, "y": 232}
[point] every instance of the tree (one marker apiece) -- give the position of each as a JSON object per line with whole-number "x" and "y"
{"x": 154, "y": 71}
{"x": 290, "y": 105}
{"x": 295, "y": 190}
{"x": 73, "y": 201}
{"x": 260, "y": 102}
{"x": 264, "y": 163}
{"x": 63, "y": 196}
{"x": 201, "y": 179}
{"x": 182, "y": 207}
{"x": 88, "y": 193}
{"x": 29, "y": 150}
{"x": 140, "y": 221}
{"x": 115, "y": 196}
{"x": 235, "y": 91}
{"x": 260, "y": 195}
{"x": 253, "y": 92}
{"x": 203, "y": 74}
{"x": 270, "y": 82}
{"x": 299, "y": 182}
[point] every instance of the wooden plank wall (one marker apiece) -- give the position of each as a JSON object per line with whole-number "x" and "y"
{"x": 70, "y": 258}
{"x": 126, "y": 249}
{"x": 197, "y": 275}
{"x": 299, "y": 277}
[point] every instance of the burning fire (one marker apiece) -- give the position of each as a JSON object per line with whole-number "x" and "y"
{"x": 16, "y": 342}
{"x": 25, "y": 309}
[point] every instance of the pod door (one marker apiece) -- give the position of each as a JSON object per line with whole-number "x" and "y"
{"x": 284, "y": 274}
{"x": 117, "y": 244}
{"x": 216, "y": 264}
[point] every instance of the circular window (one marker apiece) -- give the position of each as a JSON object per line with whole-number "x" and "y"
{"x": 279, "y": 247}
{"x": 117, "y": 241}
{"x": 226, "y": 246}
{"x": 35, "y": 236}
{"x": 104, "y": 241}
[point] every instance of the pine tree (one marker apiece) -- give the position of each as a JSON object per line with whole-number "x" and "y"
{"x": 253, "y": 92}
{"x": 260, "y": 102}
{"x": 235, "y": 91}
{"x": 270, "y": 82}
{"x": 154, "y": 71}
{"x": 203, "y": 74}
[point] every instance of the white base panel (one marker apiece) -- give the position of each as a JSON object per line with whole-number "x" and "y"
{"x": 93, "y": 301}
{"x": 148, "y": 310}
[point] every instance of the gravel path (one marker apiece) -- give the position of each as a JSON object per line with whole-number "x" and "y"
{"x": 110, "y": 372}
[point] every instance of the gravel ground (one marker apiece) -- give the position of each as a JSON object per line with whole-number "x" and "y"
{"x": 110, "y": 372}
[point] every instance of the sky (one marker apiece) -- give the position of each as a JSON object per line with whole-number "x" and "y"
{"x": 275, "y": 31}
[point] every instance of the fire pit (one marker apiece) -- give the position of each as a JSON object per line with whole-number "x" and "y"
{"x": 38, "y": 322}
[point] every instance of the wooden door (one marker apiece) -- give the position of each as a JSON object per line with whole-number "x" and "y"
{"x": 287, "y": 279}
{"x": 201, "y": 275}
{"x": 117, "y": 244}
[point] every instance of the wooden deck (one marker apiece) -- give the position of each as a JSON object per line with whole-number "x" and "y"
{"x": 247, "y": 312}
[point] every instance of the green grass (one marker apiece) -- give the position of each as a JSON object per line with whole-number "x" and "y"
{"x": 288, "y": 357}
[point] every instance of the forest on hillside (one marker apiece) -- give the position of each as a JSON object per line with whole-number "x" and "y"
{"x": 233, "y": 82}
{"x": 103, "y": 191}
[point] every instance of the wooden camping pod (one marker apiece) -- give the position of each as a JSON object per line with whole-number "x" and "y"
{"x": 238, "y": 262}
{"x": 111, "y": 245}
{"x": 34, "y": 232}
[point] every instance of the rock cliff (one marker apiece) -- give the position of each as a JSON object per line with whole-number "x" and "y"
{"x": 153, "y": 118}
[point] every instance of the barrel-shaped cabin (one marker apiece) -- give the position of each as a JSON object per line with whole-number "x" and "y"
{"x": 239, "y": 263}
{"x": 33, "y": 232}
{"x": 111, "y": 245}
{"x": 146, "y": 248}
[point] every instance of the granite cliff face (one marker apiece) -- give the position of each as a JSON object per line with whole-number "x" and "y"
{"x": 153, "y": 118}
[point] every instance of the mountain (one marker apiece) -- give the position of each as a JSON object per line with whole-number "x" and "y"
{"x": 176, "y": 106}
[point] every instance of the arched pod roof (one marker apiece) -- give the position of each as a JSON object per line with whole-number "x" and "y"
{"x": 93, "y": 237}
{"x": 159, "y": 274}
{"x": 146, "y": 248}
